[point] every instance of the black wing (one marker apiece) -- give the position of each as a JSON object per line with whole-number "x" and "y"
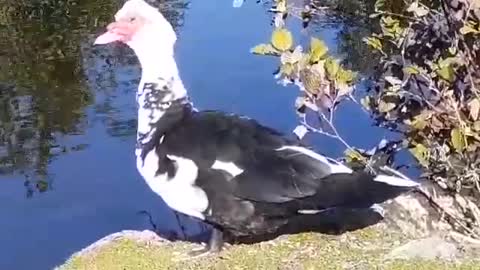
{"x": 269, "y": 174}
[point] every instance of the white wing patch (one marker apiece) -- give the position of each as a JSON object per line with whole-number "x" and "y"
{"x": 309, "y": 211}
{"x": 335, "y": 168}
{"x": 378, "y": 209}
{"x": 228, "y": 167}
{"x": 179, "y": 192}
{"x": 395, "y": 181}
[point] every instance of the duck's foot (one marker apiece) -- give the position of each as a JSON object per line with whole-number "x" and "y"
{"x": 214, "y": 246}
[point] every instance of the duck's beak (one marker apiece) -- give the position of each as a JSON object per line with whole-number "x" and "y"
{"x": 107, "y": 37}
{"x": 116, "y": 31}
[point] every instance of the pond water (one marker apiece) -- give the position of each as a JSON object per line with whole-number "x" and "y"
{"x": 67, "y": 116}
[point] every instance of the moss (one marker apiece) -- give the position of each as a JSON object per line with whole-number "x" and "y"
{"x": 364, "y": 249}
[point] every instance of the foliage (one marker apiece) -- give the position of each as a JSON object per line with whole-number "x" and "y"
{"x": 425, "y": 88}
{"x": 323, "y": 81}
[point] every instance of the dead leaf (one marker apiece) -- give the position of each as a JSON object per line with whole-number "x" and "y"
{"x": 474, "y": 107}
{"x": 385, "y": 106}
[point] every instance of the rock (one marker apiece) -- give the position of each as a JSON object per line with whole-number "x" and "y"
{"x": 430, "y": 248}
{"x": 413, "y": 215}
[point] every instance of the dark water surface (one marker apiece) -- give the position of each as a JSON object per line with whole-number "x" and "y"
{"x": 67, "y": 116}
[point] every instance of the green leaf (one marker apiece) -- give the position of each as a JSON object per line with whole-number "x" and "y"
{"x": 353, "y": 155}
{"x": 282, "y": 39}
{"x": 419, "y": 122}
{"x": 264, "y": 49}
{"x": 391, "y": 27}
{"x": 458, "y": 141}
{"x": 446, "y": 73}
{"x": 331, "y": 68}
{"x": 379, "y": 5}
{"x": 421, "y": 153}
{"x": 373, "y": 42}
{"x": 412, "y": 70}
{"x": 318, "y": 49}
{"x": 42, "y": 185}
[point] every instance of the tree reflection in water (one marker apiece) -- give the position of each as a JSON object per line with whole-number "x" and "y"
{"x": 49, "y": 76}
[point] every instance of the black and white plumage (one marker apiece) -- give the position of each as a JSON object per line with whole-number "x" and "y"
{"x": 241, "y": 177}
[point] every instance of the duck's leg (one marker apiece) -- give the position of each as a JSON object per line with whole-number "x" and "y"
{"x": 214, "y": 245}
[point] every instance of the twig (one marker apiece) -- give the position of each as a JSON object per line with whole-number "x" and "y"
{"x": 335, "y": 131}
{"x": 400, "y": 16}
{"x": 444, "y": 211}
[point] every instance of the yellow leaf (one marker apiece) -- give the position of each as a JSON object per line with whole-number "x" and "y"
{"x": 458, "y": 141}
{"x": 282, "y": 39}
{"x": 352, "y": 155}
{"x": 345, "y": 76}
{"x": 287, "y": 69}
{"x": 331, "y": 68}
{"x": 474, "y": 107}
{"x": 263, "y": 49}
{"x": 469, "y": 27}
{"x": 318, "y": 49}
{"x": 281, "y": 6}
{"x": 421, "y": 153}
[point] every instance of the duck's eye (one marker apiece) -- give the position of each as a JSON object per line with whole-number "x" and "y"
{"x": 132, "y": 19}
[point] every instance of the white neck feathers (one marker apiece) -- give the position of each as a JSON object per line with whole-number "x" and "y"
{"x": 159, "y": 86}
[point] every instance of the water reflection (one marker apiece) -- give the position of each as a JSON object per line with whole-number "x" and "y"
{"x": 49, "y": 75}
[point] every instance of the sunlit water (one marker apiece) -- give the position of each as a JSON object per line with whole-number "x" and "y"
{"x": 93, "y": 189}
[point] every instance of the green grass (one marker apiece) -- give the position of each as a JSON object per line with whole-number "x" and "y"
{"x": 364, "y": 249}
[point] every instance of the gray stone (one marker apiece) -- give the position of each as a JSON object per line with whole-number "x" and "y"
{"x": 429, "y": 248}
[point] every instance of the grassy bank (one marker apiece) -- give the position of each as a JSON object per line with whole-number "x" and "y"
{"x": 372, "y": 248}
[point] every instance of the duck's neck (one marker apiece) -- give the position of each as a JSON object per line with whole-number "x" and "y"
{"x": 160, "y": 88}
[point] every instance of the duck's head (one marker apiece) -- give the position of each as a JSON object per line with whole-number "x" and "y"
{"x": 142, "y": 27}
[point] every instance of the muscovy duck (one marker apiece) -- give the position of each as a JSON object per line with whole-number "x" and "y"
{"x": 229, "y": 171}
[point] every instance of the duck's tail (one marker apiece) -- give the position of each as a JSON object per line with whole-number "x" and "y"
{"x": 359, "y": 189}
